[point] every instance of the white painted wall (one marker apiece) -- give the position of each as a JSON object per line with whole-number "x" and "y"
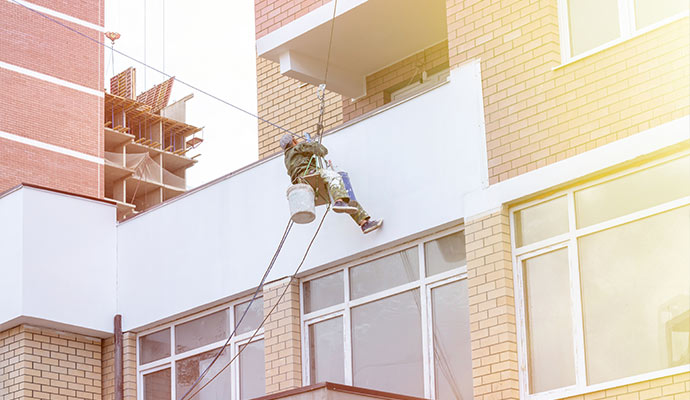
{"x": 411, "y": 165}
{"x": 11, "y": 256}
{"x": 59, "y": 261}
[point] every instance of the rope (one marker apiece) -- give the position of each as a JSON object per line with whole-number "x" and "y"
{"x": 321, "y": 94}
{"x": 161, "y": 72}
{"x": 256, "y": 293}
{"x": 256, "y": 331}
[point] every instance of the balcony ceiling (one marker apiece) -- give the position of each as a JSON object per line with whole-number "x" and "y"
{"x": 368, "y": 35}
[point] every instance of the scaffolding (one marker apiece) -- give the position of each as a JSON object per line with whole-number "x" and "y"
{"x": 146, "y": 146}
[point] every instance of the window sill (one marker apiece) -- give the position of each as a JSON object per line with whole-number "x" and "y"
{"x": 620, "y": 40}
{"x": 578, "y": 391}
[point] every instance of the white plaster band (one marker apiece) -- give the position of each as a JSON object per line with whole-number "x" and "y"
{"x": 60, "y": 15}
{"x": 51, "y": 147}
{"x": 50, "y": 79}
{"x": 481, "y": 201}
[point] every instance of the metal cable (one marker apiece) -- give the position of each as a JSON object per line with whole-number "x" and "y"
{"x": 321, "y": 94}
{"x": 160, "y": 72}
{"x": 237, "y": 324}
{"x": 256, "y": 331}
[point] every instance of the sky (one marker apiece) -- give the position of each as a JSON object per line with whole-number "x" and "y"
{"x": 208, "y": 44}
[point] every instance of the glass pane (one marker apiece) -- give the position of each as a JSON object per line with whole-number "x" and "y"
{"x": 253, "y": 318}
{"x": 201, "y": 331}
{"x": 549, "y": 321}
{"x": 387, "y": 345}
{"x": 445, "y": 253}
{"x": 157, "y": 385}
{"x": 188, "y": 370}
{"x": 154, "y": 346}
{"x": 648, "y": 12}
{"x": 541, "y": 221}
{"x": 592, "y": 23}
{"x": 326, "y": 353}
{"x": 252, "y": 371}
{"x": 452, "y": 350}
{"x": 636, "y": 296}
{"x": 323, "y": 292}
{"x": 384, "y": 273}
{"x": 634, "y": 192}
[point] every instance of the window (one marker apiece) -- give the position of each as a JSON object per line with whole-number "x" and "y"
{"x": 171, "y": 359}
{"x": 605, "y": 294}
{"x": 398, "y": 322}
{"x": 589, "y": 25}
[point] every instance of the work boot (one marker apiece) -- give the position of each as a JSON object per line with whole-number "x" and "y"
{"x": 370, "y": 226}
{"x": 342, "y": 207}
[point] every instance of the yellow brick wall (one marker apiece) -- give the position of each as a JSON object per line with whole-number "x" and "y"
{"x": 675, "y": 387}
{"x": 39, "y": 363}
{"x": 381, "y": 83}
{"x": 282, "y": 344}
{"x": 108, "y": 369}
{"x": 536, "y": 115}
{"x": 492, "y": 307}
{"x": 281, "y": 101}
{"x": 129, "y": 346}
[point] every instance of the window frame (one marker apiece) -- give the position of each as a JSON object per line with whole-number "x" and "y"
{"x": 628, "y": 29}
{"x": 569, "y": 240}
{"x": 171, "y": 361}
{"x": 424, "y": 284}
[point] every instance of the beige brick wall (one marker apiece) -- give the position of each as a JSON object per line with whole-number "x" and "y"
{"x": 108, "y": 369}
{"x": 536, "y": 115}
{"x": 675, "y": 387}
{"x": 129, "y": 365}
{"x": 283, "y": 102}
{"x": 382, "y": 83}
{"x": 282, "y": 344}
{"x": 39, "y": 363}
{"x": 492, "y": 307}
{"x": 272, "y": 14}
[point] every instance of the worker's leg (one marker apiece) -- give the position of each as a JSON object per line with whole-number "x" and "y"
{"x": 361, "y": 215}
{"x": 336, "y": 187}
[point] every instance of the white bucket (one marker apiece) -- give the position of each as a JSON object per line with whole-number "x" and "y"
{"x": 301, "y": 199}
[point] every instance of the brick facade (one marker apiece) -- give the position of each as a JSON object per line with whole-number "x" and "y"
{"x": 129, "y": 366}
{"x": 282, "y": 101}
{"x": 536, "y": 115}
{"x": 676, "y": 387}
{"x": 382, "y": 83}
{"x": 21, "y": 163}
{"x": 38, "y": 363}
{"x": 492, "y": 307}
{"x": 49, "y": 112}
{"x": 282, "y": 345}
{"x": 271, "y": 15}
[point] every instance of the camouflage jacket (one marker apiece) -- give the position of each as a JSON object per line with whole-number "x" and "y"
{"x": 297, "y": 158}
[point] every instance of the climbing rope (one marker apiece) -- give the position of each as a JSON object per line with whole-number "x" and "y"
{"x": 256, "y": 293}
{"x": 321, "y": 93}
{"x": 256, "y": 331}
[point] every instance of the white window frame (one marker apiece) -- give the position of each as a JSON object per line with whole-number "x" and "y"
{"x": 170, "y": 362}
{"x": 423, "y": 284}
{"x": 626, "y": 14}
{"x": 569, "y": 240}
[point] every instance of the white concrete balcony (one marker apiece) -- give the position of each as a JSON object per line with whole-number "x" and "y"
{"x": 58, "y": 261}
{"x": 411, "y": 163}
{"x": 368, "y": 35}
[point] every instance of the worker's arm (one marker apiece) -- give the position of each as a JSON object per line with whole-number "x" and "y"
{"x": 312, "y": 148}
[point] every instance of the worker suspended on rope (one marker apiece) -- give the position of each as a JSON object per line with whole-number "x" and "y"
{"x": 300, "y": 160}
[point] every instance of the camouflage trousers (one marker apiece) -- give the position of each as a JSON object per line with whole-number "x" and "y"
{"x": 339, "y": 187}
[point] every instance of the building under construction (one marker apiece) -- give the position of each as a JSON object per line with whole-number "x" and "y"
{"x": 146, "y": 143}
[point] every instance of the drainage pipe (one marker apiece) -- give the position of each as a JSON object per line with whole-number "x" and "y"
{"x": 118, "y": 367}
